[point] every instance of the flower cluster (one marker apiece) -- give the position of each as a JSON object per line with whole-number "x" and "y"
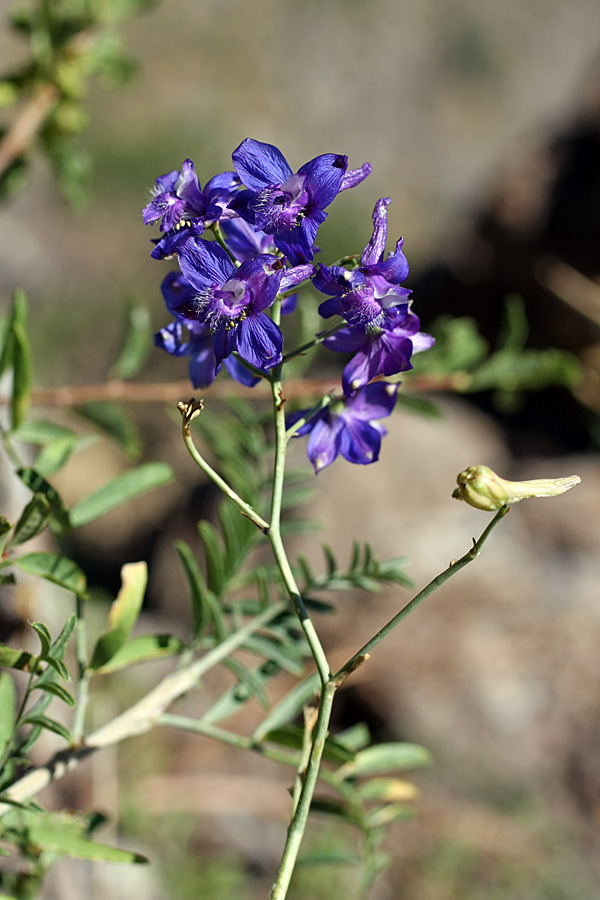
{"x": 229, "y": 292}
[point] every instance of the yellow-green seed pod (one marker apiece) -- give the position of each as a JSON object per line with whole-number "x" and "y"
{"x": 479, "y": 486}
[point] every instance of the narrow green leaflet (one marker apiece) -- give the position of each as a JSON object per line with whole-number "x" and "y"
{"x": 389, "y": 813}
{"x": 293, "y": 736}
{"x": 138, "y": 343}
{"x": 11, "y": 658}
{"x": 57, "y": 690}
{"x": 287, "y": 657}
{"x": 48, "y": 724}
{"x": 215, "y": 557}
{"x": 34, "y": 519}
{"x": 386, "y": 758}
{"x": 120, "y": 490}
{"x": 116, "y": 422}
{"x": 8, "y": 709}
{"x": 39, "y": 431}
{"x": 205, "y": 606}
{"x": 65, "y": 834}
{"x": 44, "y": 636}
{"x": 123, "y": 614}
{"x": 22, "y": 375}
{"x": 5, "y": 529}
{"x": 141, "y": 649}
{"x": 288, "y": 708}
{"x": 54, "y": 455}
{"x": 38, "y": 485}
{"x": 56, "y": 568}
{"x": 233, "y": 699}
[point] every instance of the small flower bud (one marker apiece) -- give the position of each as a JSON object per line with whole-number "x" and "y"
{"x": 480, "y": 487}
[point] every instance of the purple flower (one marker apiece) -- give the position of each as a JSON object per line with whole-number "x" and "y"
{"x": 232, "y": 301}
{"x": 383, "y": 349}
{"x": 364, "y": 295}
{"x": 348, "y": 425}
{"x": 180, "y": 203}
{"x": 198, "y": 346}
{"x": 289, "y": 206}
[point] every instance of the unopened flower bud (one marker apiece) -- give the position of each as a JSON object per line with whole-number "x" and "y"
{"x": 480, "y": 487}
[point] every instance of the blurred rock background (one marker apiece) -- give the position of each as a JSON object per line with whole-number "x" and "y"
{"x": 482, "y": 122}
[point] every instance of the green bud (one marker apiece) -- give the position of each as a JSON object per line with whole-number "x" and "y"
{"x": 480, "y": 487}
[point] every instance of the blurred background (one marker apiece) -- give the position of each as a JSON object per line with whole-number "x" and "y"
{"x": 482, "y": 121}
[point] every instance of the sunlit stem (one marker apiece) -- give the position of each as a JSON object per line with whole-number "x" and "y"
{"x": 318, "y": 339}
{"x": 299, "y": 819}
{"x": 188, "y": 412}
{"x": 83, "y": 677}
{"x": 455, "y": 566}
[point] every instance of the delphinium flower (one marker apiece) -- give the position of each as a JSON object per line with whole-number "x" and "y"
{"x": 188, "y": 337}
{"x": 232, "y": 301}
{"x": 382, "y": 331}
{"x": 384, "y": 349}
{"x": 363, "y": 295}
{"x": 289, "y": 205}
{"x": 347, "y": 425}
{"x": 180, "y": 203}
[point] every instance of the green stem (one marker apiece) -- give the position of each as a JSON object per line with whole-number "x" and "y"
{"x": 83, "y": 677}
{"x": 299, "y": 819}
{"x": 274, "y": 534}
{"x": 188, "y": 412}
{"x": 228, "y": 737}
{"x": 361, "y": 655}
{"x": 298, "y": 351}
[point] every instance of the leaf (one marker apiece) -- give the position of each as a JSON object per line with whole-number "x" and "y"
{"x": 11, "y": 658}
{"x": 56, "y": 568}
{"x": 65, "y": 834}
{"x": 5, "y": 529}
{"x": 21, "y": 361}
{"x": 44, "y": 636}
{"x": 55, "y": 454}
{"x": 215, "y": 557}
{"x": 38, "y": 485}
{"x": 138, "y": 343}
{"x": 120, "y": 490}
{"x": 289, "y": 707}
{"x": 124, "y": 613}
{"x": 116, "y": 422}
{"x": 231, "y": 701}
{"x": 389, "y": 813}
{"x": 293, "y": 736}
{"x": 205, "y": 607}
{"x": 41, "y": 432}
{"x": 6, "y": 343}
{"x": 287, "y": 659}
{"x": 337, "y": 808}
{"x": 57, "y": 690}
{"x": 34, "y": 519}
{"x": 385, "y": 758}
{"x": 47, "y": 724}
{"x": 252, "y": 686}
{"x": 8, "y": 710}
{"x": 391, "y": 790}
{"x": 59, "y": 645}
{"x": 141, "y": 649}
{"x": 355, "y": 738}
